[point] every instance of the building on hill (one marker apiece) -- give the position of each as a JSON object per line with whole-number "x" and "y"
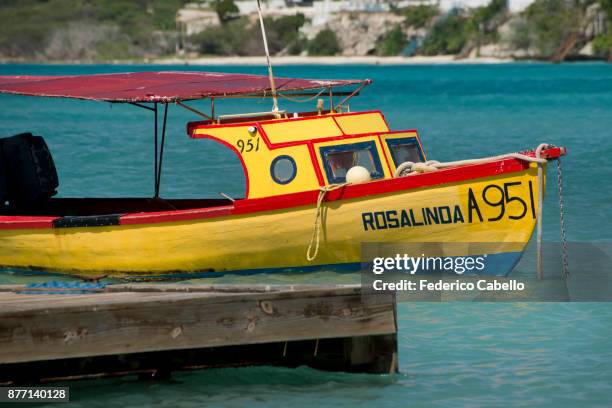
{"x": 192, "y": 19}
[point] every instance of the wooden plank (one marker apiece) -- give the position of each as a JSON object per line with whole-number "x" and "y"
{"x": 335, "y": 354}
{"x": 174, "y": 287}
{"x": 47, "y": 327}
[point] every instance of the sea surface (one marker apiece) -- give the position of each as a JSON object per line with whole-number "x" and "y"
{"x": 451, "y": 354}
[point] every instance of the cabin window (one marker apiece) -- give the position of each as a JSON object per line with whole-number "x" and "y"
{"x": 283, "y": 169}
{"x": 405, "y": 150}
{"x": 337, "y": 160}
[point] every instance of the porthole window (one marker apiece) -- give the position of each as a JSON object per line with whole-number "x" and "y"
{"x": 283, "y": 169}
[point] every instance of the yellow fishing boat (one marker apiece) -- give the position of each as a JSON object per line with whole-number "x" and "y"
{"x": 318, "y": 185}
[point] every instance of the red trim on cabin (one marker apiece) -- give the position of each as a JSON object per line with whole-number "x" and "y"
{"x": 338, "y": 125}
{"x": 264, "y": 136}
{"x": 315, "y": 164}
{"x": 382, "y": 186}
{"x": 385, "y": 120}
{"x": 273, "y": 146}
{"x": 247, "y": 206}
{"x": 320, "y": 140}
{"x": 259, "y": 123}
{"x": 322, "y": 116}
{"x": 258, "y": 120}
{"x": 382, "y": 145}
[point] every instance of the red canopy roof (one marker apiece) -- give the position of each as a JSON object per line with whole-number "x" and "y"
{"x": 156, "y": 86}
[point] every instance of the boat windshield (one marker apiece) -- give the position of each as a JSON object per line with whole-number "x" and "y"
{"x": 405, "y": 152}
{"x": 341, "y": 162}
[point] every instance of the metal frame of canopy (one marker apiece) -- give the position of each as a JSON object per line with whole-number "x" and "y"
{"x": 131, "y": 88}
{"x": 159, "y": 145}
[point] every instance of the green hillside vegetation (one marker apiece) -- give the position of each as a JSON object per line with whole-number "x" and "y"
{"x": 602, "y": 44}
{"x": 447, "y": 36}
{"x": 392, "y": 43}
{"x": 452, "y": 32}
{"x": 28, "y": 26}
{"x": 237, "y": 36}
{"x": 549, "y": 22}
{"x": 447, "y": 33}
{"x": 324, "y": 43}
{"x": 419, "y": 16}
{"x": 106, "y": 30}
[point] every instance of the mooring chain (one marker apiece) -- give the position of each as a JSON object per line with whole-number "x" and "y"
{"x": 565, "y": 270}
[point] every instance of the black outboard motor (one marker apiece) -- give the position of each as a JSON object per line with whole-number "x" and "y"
{"x": 28, "y": 178}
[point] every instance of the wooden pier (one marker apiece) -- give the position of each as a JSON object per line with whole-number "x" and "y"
{"x": 153, "y": 329}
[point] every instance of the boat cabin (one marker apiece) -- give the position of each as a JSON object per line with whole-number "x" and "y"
{"x": 281, "y": 153}
{"x": 304, "y": 151}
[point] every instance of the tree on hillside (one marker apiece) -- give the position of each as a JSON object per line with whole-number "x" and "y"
{"x": 447, "y": 36}
{"x": 324, "y": 43}
{"x": 550, "y": 22}
{"x": 392, "y": 43}
{"x": 602, "y": 44}
{"x": 226, "y": 9}
{"x": 419, "y": 16}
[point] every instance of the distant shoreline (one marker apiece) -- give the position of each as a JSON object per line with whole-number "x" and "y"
{"x": 295, "y": 60}
{"x": 284, "y": 60}
{"x": 332, "y": 60}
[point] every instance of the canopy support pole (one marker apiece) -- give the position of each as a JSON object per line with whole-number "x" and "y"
{"x": 355, "y": 92}
{"x": 155, "y": 152}
{"x": 161, "y": 152}
{"x": 142, "y": 106}
{"x": 197, "y": 112}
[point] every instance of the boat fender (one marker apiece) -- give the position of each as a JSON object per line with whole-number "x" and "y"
{"x": 358, "y": 174}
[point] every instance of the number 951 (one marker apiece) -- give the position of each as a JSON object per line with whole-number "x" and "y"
{"x": 247, "y": 146}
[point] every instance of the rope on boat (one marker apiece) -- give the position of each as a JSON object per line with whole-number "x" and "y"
{"x": 316, "y": 233}
{"x": 410, "y": 168}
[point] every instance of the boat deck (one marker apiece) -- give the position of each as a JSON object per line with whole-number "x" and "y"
{"x": 154, "y": 329}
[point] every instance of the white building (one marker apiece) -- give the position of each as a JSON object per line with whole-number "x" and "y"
{"x": 318, "y": 11}
{"x": 195, "y": 18}
{"x": 515, "y": 6}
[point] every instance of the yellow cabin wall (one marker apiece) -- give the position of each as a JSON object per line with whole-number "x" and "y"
{"x": 257, "y": 162}
{"x": 257, "y": 156}
{"x": 307, "y": 129}
{"x": 372, "y": 122}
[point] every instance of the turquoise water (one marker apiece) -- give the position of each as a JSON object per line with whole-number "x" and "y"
{"x": 453, "y": 354}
